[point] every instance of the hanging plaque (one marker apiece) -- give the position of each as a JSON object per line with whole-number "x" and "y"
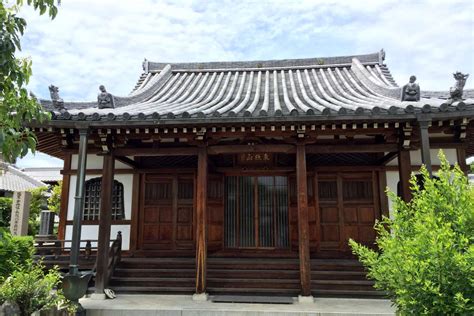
{"x": 255, "y": 159}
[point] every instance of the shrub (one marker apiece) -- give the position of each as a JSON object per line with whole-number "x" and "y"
{"x": 5, "y": 211}
{"x": 15, "y": 251}
{"x": 425, "y": 261}
{"x": 33, "y": 289}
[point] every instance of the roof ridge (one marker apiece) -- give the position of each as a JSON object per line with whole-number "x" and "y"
{"x": 326, "y": 61}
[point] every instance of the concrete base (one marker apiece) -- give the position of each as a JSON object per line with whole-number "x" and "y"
{"x": 305, "y": 299}
{"x": 202, "y": 297}
{"x": 184, "y": 305}
{"x": 97, "y": 296}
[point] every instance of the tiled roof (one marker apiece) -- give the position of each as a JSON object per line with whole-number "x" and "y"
{"x": 14, "y": 180}
{"x": 347, "y": 85}
{"x": 44, "y": 174}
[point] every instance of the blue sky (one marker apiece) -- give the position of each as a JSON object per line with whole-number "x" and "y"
{"x": 104, "y": 42}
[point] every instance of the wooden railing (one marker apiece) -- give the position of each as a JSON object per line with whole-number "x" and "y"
{"x": 57, "y": 247}
{"x": 115, "y": 255}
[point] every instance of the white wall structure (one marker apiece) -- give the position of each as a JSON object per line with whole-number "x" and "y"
{"x": 96, "y": 162}
{"x": 91, "y": 232}
{"x": 415, "y": 156}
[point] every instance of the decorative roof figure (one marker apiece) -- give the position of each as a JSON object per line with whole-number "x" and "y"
{"x": 104, "y": 99}
{"x": 457, "y": 91}
{"x": 411, "y": 91}
{"x": 57, "y": 101}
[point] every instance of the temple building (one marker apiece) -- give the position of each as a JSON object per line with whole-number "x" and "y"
{"x": 247, "y": 177}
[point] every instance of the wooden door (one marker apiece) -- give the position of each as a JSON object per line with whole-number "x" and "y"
{"x": 166, "y": 213}
{"x": 348, "y": 207}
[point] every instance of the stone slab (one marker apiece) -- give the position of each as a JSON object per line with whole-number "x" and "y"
{"x": 183, "y": 305}
{"x": 252, "y": 299}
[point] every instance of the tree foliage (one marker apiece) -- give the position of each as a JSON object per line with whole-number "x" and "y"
{"x": 33, "y": 289}
{"x": 14, "y": 252}
{"x": 5, "y": 211}
{"x": 425, "y": 261}
{"x": 54, "y": 201}
{"x": 16, "y": 106}
{"x": 37, "y": 204}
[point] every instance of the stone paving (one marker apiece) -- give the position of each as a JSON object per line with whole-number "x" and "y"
{"x": 183, "y": 305}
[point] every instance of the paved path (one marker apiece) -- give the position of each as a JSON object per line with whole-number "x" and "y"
{"x": 183, "y": 305}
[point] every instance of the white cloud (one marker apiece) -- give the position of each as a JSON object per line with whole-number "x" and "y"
{"x": 104, "y": 42}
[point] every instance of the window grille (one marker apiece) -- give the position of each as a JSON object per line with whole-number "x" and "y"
{"x": 92, "y": 200}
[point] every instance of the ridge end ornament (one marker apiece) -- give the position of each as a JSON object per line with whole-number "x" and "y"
{"x": 58, "y": 102}
{"x": 105, "y": 100}
{"x": 456, "y": 92}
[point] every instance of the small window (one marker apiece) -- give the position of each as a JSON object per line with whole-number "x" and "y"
{"x": 92, "y": 200}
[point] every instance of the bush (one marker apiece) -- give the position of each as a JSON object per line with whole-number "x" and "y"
{"x": 32, "y": 289}
{"x": 15, "y": 251}
{"x": 5, "y": 211}
{"x": 425, "y": 261}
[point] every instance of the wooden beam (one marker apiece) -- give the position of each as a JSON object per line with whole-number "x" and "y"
{"x": 105, "y": 221}
{"x": 162, "y": 151}
{"x": 127, "y": 161}
{"x": 387, "y": 158}
{"x": 64, "y": 197}
{"x": 425, "y": 146}
{"x": 201, "y": 216}
{"x": 358, "y": 148}
{"x": 461, "y": 155}
{"x": 236, "y": 149}
{"x": 382, "y": 177}
{"x": 303, "y": 220}
{"x": 404, "y": 169}
{"x": 135, "y": 209}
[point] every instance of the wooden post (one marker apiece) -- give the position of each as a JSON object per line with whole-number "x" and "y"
{"x": 201, "y": 216}
{"x": 64, "y": 197}
{"x": 425, "y": 145}
{"x": 105, "y": 221}
{"x": 404, "y": 170}
{"x": 461, "y": 155}
{"x": 303, "y": 218}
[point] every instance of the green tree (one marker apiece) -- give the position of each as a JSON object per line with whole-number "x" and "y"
{"x": 37, "y": 204}
{"x": 425, "y": 261}
{"x": 5, "y": 211}
{"x": 16, "y": 106}
{"x": 54, "y": 201}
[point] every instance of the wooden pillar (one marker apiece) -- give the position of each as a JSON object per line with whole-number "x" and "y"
{"x": 461, "y": 157}
{"x": 404, "y": 170}
{"x": 201, "y": 216}
{"x": 425, "y": 145}
{"x": 64, "y": 197}
{"x": 303, "y": 218}
{"x": 105, "y": 221}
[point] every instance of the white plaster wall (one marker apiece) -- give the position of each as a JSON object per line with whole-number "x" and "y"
{"x": 415, "y": 156}
{"x": 392, "y": 180}
{"x": 393, "y": 176}
{"x": 125, "y": 179}
{"x": 91, "y": 232}
{"x": 96, "y": 162}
